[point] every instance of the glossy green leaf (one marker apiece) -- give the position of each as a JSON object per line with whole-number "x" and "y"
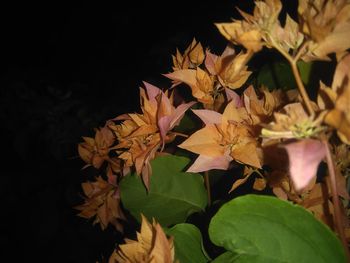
{"x": 227, "y": 257}
{"x": 265, "y": 229}
{"x": 173, "y": 195}
{"x": 188, "y": 243}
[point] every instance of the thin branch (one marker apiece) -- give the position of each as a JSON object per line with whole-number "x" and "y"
{"x": 335, "y": 198}
{"x": 280, "y": 49}
{"x": 293, "y": 62}
{"x": 301, "y": 88}
{"x": 300, "y": 83}
{"x": 301, "y": 50}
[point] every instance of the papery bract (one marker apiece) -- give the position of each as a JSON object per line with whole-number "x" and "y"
{"x": 192, "y": 57}
{"x": 254, "y": 31}
{"x": 339, "y": 116}
{"x": 141, "y": 136}
{"x": 219, "y": 142}
{"x": 94, "y": 151}
{"x": 102, "y": 202}
{"x": 199, "y": 81}
{"x": 230, "y": 68}
{"x": 304, "y": 159}
{"x": 327, "y": 23}
{"x": 152, "y": 245}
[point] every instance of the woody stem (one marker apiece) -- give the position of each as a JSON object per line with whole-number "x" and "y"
{"x": 335, "y": 198}
{"x": 293, "y": 62}
{"x": 301, "y": 87}
{"x": 207, "y": 185}
{"x": 300, "y": 83}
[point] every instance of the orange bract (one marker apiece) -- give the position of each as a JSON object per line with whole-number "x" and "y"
{"x": 140, "y": 136}
{"x": 151, "y": 246}
{"x": 224, "y": 138}
{"x": 103, "y": 201}
{"x": 254, "y": 31}
{"x": 339, "y": 115}
{"x": 94, "y": 151}
{"x": 220, "y": 72}
{"x": 200, "y": 82}
{"x": 192, "y": 57}
{"x": 279, "y": 142}
{"x": 230, "y": 68}
{"x": 327, "y": 23}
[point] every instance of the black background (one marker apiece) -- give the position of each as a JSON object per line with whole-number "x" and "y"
{"x": 66, "y": 70}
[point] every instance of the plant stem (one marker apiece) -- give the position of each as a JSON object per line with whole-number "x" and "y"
{"x": 297, "y": 77}
{"x": 301, "y": 50}
{"x": 293, "y": 62}
{"x": 280, "y": 49}
{"x": 301, "y": 87}
{"x": 335, "y": 198}
{"x": 207, "y": 185}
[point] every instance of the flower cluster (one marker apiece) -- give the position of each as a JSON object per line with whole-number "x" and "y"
{"x": 281, "y": 136}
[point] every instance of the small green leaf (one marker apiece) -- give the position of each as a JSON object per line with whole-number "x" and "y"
{"x": 173, "y": 195}
{"x": 188, "y": 243}
{"x": 265, "y": 229}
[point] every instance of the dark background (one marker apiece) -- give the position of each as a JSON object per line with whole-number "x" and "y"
{"x": 66, "y": 70}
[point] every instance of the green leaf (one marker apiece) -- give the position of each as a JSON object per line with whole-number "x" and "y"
{"x": 279, "y": 75}
{"x": 173, "y": 195}
{"x": 227, "y": 257}
{"x": 188, "y": 243}
{"x": 265, "y": 229}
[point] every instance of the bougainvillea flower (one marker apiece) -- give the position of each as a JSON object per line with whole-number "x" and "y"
{"x": 288, "y": 37}
{"x": 261, "y": 108}
{"x": 293, "y": 122}
{"x": 327, "y": 23}
{"x": 338, "y": 115}
{"x": 102, "y": 202}
{"x": 224, "y": 138}
{"x": 94, "y": 151}
{"x": 141, "y": 136}
{"x": 191, "y": 58}
{"x": 230, "y": 68}
{"x": 254, "y": 31}
{"x": 242, "y": 33}
{"x": 200, "y": 82}
{"x": 152, "y": 245}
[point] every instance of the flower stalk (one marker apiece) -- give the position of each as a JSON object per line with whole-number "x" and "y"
{"x": 335, "y": 198}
